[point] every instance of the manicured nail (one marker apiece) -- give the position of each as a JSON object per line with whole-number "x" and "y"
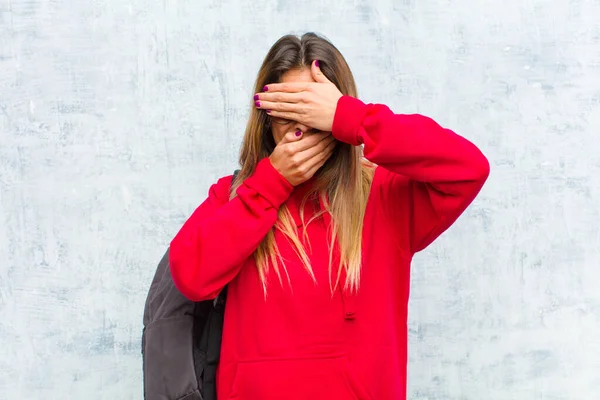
{"x": 257, "y": 103}
{"x": 265, "y": 89}
{"x": 298, "y": 132}
{"x": 268, "y": 111}
{"x": 255, "y": 97}
{"x": 317, "y": 63}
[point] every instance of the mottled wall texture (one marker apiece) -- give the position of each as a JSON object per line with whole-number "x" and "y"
{"x": 117, "y": 115}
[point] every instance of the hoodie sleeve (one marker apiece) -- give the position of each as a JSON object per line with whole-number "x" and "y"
{"x": 431, "y": 173}
{"x": 212, "y": 245}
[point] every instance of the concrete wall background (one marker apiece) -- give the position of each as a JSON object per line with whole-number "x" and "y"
{"x": 116, "y": 116}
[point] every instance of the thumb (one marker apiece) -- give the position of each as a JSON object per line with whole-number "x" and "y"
{"x": 290, "y": 137}
{"x": 317, "y": 74}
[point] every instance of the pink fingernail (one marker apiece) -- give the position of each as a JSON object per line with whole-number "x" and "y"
{"x": 317, "y": 63}
{"x": 255, "y": 97}
{"x": 265, "y": 89}
{"x": 268, "y": 111}
{"x": 257, "y": 103}
{"x": 298, "y": 132}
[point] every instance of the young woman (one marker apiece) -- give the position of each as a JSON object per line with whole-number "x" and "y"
{"x": 315, "y": 241}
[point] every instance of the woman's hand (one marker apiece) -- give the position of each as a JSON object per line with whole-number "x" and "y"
{"x": 299, "y": 157}
{"x": 309, "y": 103}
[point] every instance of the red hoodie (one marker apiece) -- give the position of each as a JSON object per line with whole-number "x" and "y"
{"x": 301, "y": 342}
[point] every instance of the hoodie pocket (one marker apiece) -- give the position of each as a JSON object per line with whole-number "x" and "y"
{"x": 297, "y": 379}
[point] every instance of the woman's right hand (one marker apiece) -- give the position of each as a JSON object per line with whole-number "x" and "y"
{"x": 298, "y": 158}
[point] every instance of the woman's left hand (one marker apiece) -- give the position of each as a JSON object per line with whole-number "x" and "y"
{"x": 311, "y": 103}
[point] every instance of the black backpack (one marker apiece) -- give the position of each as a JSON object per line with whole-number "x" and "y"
{"x": 181, "y": 341}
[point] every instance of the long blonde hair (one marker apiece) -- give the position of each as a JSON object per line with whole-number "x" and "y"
{"x": 342, "y": 184}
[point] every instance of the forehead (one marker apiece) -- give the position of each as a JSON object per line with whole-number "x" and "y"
{"x": 297, "y": 75}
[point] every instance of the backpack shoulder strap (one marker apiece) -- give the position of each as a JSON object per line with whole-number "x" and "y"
{"x": 219, "y": 302}
{"x": 212, "y": 338}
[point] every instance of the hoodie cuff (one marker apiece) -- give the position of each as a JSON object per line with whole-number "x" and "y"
{"x": 269, "y": 183}
{"x": 349, "y": 115}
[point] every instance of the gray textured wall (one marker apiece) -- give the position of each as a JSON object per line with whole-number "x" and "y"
{"x": 116, "y": 116}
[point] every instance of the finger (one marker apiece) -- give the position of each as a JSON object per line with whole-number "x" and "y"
{"x": 287, "y": 115}
{"x": 329, "y": 149}
{"x": 317, "y": 74}
{"x": 316, "y": 149}
{"x": 281, "y": 97}
{"x": 291, "y": 137}
{"x": 276, "y": 106}
{"x": 289, "y": 87}
{"x": 318, "y": 161}
{"x": 308, "y": 141}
